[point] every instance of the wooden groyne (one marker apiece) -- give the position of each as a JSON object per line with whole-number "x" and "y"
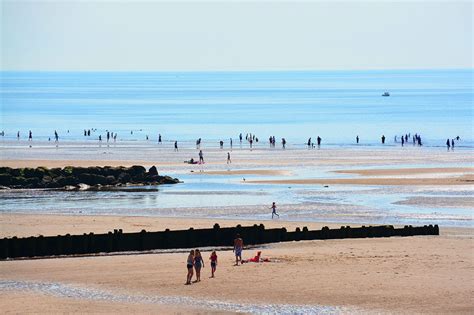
{"x": 117, "y": 241}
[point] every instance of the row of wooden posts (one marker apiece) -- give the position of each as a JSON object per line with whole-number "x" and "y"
{"x": 117, "y": 241}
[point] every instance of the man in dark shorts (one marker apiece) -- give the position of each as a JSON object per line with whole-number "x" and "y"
{"x": 238, "y": 246}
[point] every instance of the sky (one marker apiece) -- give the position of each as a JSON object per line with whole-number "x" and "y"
{"x": 235, "y": 35}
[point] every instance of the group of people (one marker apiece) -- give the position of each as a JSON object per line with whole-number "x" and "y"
{"x": 195, "y": 262}
{"x": 451, "y": 145}
{"x": 404, "y": 139}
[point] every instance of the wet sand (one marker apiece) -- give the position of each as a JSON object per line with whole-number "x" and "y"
{"x": 408, "y": 171}
{"x": 446, "y": 181}
{"x": 449, "y": 202}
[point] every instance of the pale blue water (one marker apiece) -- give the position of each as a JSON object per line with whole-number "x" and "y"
{"x": 335, "y": 105}
{"x": 218, "y": 105}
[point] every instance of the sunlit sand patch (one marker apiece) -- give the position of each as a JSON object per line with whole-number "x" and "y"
{"x": 447, "y": 202}
{"x": 408, "y": 171}
{"x": 382, "y": 181}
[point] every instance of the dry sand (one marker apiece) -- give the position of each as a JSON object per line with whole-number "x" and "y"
{"x": 423, "y": 274}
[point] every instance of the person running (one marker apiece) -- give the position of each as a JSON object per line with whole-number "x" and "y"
{"x": 273, "y": 207}
{"x": 228, "y": 158}
{"x": 190, "y": 265}
{"x": 198, "y": 264}
{"x": 201, "y": 157}
{"x": 238, "y": 246}
{"x": 213, "y": 260}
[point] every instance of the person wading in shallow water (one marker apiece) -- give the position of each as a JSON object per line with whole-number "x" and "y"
{"x": 238, "y": 246}
{"x": 273, "y": 207}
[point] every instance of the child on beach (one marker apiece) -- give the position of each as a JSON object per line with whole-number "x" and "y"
{"x": 198, "y": 264}
{"x": 190, "y": 265}
{"x": 213, "y": 259}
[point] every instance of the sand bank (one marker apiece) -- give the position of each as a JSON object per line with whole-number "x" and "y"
{"x": 408, "y": 171}
{"x": 459, "y": 180}
{"x": 448, "y": 202}
{"x": 425, "y": 274}
{"x": 248, "y": 172}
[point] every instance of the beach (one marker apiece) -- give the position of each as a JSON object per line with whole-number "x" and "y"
{"x": 421, "y": 274}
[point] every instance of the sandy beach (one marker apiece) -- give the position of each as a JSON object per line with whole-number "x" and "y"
{"x": 423, "y": 274}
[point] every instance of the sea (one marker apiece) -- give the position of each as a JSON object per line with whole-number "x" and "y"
{"x": 295, "y": 105}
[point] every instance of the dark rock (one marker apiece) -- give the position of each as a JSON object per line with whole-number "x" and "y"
{"x": 6, "y": 179}
{"x": 54, "y": 172}
{"x": 92, "y": 179}
{"x": 111, "y": 180}
{"x": 136, "y": 170}
{"x": 153, "y": 171}
{"x": 5, "y": 170}
{"x": 76, "y": 171}
{"x": 29, "y": 172}
{"x": 124, "y": 178}
{"x": 62, "y": 181}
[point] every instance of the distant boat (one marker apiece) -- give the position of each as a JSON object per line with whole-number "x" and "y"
{"x": 386, "y": 94}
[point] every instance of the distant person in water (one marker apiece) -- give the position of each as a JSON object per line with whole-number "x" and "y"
{"x": 30, "y": 136}
{"x": 283, "y": 143}
{"x": 357, "y": 139}
{"x": 240, "y": 137}
{"x": 201, "y": 157}
{"x": 383, "y": 139}
{"x": 176, "y": 146}
{"x": 108, "y": 136}
{"x": 100, "y": 138}
{"x": 448, "y": 144}
{"x": 238, "y": 247}
{"x": 89, "y": 132}
{"x": 309, "y": 143}
{"x": 18, "y": 135}
{"x": 159, "y": 138}
{"x": 274, "y": 207}
{"x": 319, "y": 141}
{"x": 231, "y": 143}
{"x": 228, "y": 158}
{"x": 115, "y": 137}
{"x": 403, "y": 141}
{"x": 56, "y": 137}
{"x": 452, "y": 144}
{"x": 221, "y": 144}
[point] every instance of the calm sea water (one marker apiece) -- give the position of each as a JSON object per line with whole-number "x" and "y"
{"x": 335, "y": 105}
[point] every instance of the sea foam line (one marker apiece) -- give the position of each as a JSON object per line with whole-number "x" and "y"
{"x": 76, "y": 292}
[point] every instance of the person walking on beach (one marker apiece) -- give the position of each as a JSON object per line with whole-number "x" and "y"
{"x": 198, "y": 264}
{"x": 448, "y": 144}
{"x": 176, "y": 146}
{"x": 309, "y": 143}
{"x": 240, "y": 137}
{"x": 319, "y": 141}
{"x": 159, "y": 138}
{"x": 190, "y": 265}
{"x": 213, "y": 260}
{"x": 238, "y": 246}
{"x": 403, "y": 141}
{"x": 383, "y": 139}
{"x": 229, "y": 161}
{"x": 30, "y": 136}
{"x": 274, "y": 207}
{"x": 452, "y": 144}
{"x": 201, "y": 157}
{"x": 283, "y": 143}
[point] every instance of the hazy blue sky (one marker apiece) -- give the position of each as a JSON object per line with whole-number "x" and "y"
{"x": 231, "y": 35}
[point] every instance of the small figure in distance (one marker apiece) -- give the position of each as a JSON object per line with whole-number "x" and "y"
{"x": 383, "y": 139}
{"x": 452, "y": 144}
{"x": 213, "y": 260}
{"x": 238, "y": 246}
{"x": 448, "y": 144}
{"x": 201, "y": 157}
{"x": 176, "y": 146}
{"x": 357, "y": 139}
{"x": 229, "y": 161}
{"x": 273, "y": 207}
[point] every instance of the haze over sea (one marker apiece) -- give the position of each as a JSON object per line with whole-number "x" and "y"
{"x": 336, "y": 105}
